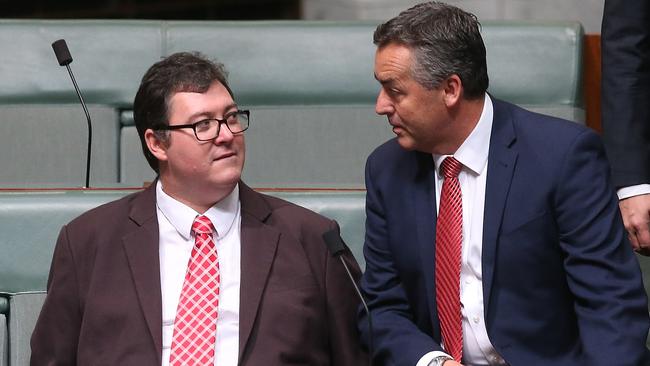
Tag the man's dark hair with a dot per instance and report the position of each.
(445, 40)
(179, 72)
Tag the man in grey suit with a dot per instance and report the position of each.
(626, 111)
(198, 268)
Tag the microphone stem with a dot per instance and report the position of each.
(365, 306)
(90, 128)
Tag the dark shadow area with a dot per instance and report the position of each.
(153, 9)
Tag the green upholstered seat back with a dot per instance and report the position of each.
(537, 65)
(31, 220)
(42, 127)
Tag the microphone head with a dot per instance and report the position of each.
(334, 242)
(62, 53)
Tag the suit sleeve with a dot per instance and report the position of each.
(397, 340)
(55, 337)
(342, 302)
(626, 89)
(602, 272)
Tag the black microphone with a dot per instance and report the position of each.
(63, 56)
(336, 246)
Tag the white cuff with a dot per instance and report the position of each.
(631, 191)
(428, 357)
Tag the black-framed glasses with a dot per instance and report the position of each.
(208, 129)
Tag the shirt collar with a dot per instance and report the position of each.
(181, 216)
(473, 152)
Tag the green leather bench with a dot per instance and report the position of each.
(309, 85)
(31, 220)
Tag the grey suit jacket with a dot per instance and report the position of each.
(626, 89)
(104, 305)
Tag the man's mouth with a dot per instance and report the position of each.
(225, 156)
(397, 129)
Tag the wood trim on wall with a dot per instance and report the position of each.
(591, 80)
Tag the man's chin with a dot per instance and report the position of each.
(227, 177)
(406, 143)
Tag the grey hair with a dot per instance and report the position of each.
(445, 40)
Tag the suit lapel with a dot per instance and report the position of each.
(259, 243)
(502, 159)
(141, 248)
(424, 198)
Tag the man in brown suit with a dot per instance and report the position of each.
(118, 270)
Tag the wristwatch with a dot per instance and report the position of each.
(438, 361)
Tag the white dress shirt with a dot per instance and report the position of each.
(176, 241)
(631, 191)
(473, 154)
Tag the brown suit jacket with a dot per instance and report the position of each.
(103, 305)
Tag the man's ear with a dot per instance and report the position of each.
(156, 146)
(453, 90)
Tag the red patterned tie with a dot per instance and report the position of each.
(196, 317)
(449, 236)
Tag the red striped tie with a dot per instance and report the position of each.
(449, 236)
(195, 326)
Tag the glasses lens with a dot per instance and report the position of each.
(207, 129)
(237, 122)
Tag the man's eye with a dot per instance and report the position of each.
(231, 117)
(203, 125)
(392, 92)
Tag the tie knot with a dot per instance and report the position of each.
(450, 167)
(202, 225)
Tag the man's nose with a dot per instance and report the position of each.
(383, 105)
(224, 136)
